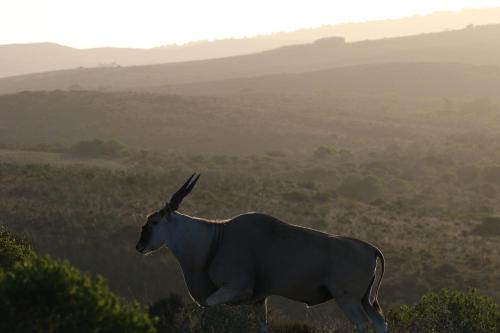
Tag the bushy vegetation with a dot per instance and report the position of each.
(365, 189)
(98, 148)
(40, 294)
(180, 315)
(489, 227)
(448, 311)
(445, 311)
(427, 220)
(12, 250)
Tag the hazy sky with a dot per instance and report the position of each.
(148, 23)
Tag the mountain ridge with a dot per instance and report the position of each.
(19, 59)
(473, 45)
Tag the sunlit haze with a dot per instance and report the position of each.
(150, 23)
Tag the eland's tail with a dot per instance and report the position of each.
(376, 305)
(374, 310)
(366, 297)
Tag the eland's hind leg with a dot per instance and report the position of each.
(375, 315)
(373, 310)
(353, 309)
(260, 310)
(351, 304)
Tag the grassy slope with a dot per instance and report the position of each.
(422, 217)
(416, 179)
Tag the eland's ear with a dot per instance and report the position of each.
(185, 189)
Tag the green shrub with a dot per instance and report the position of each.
(45, 295)
(295, 196)
(365, 189)
(184, 316)
(468, 174)
(98, 148)
(166, 310)
(491, 174)
(276, 153)
(489, 227)
(12, 249)
(324, 152)
(292, 328)
(448, 312)
(220, 319)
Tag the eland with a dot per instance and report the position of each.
(247, 258)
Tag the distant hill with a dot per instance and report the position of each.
(473, 45)
(411, 81)
(18, 59)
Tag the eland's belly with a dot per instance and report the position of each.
(309, 295)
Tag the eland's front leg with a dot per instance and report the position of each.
(260, 310)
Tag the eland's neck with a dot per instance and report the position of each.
(192, 240)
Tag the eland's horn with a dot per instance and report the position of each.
(185, 189)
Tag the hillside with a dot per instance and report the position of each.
(347, 107)
(477, 45)
(19, 59)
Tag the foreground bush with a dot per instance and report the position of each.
(183, 316)
(448, 312)
(177, 315)
(39, 294)
(292, 328)
(12, 249)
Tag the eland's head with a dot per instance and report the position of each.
(155, 231)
